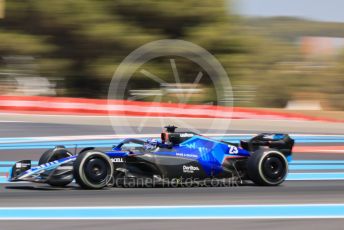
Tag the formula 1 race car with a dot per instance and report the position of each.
(178, 156)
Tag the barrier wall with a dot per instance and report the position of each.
(102, 107)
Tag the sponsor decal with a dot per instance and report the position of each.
(117, 160)
(47, 164)
(186, 135)
(22, 165)
(269, 136)
(186, 155)
(190, 145)
(233, 149)
(190, 169)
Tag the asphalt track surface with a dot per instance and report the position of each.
(331, 224)
(31, 195)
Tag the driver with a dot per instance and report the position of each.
(151, 144)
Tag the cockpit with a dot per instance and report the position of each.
(169, 138)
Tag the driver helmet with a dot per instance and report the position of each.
(151, 143)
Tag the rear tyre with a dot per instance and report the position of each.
(57, 153)
(93, 170)
(267, 167)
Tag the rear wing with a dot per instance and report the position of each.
(280, 141)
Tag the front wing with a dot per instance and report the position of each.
(22, 170)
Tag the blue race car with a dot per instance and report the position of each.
(179, 157)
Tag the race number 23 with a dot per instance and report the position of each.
(233, 149)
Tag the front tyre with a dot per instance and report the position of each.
(93, 170)
(57, 153)
(267, 167)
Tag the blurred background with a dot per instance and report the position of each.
(278, 54)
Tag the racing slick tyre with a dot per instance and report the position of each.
(267, 167)
(93, 169)
(54, 154)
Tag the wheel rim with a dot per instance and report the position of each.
(274, 168)
(96, 170)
